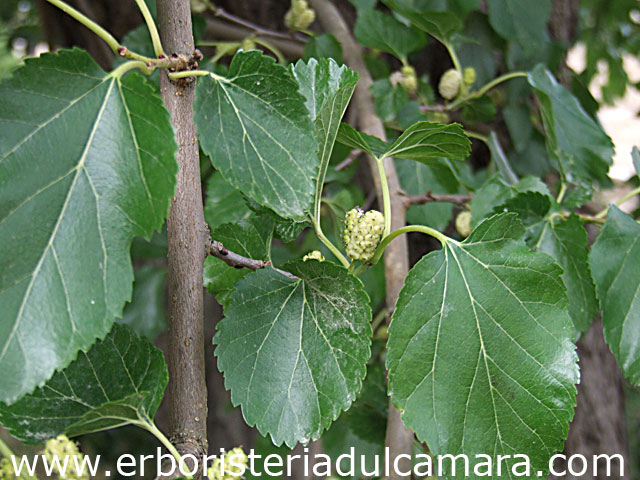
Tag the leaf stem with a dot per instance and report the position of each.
(190, 73)
(458, 66)
(151, 25)
(386, 197)
(321, 236)
(125, 67)
(409, 228)
(497, 81)
(5, 451)
(561, 193)
(87, 22)
(155, 431)
(628, 196)
(272, 48)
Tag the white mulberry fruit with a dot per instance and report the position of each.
(463, 223)
(61, 447)
(449, 85)
(314, 255)
(299, 16)
(362, 233)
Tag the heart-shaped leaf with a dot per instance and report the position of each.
(480, 355)
(86, 162)
(294, 351)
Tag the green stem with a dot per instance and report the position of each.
(87, 22)
(386, 197)
(125, 67)
(497, 81)
(561, 193)
(321, 236)
(409, 228)
(628, 196)
(155, 431)
(271, 47)
(458, 66)
(192, 73)
(151, 25)
(478, 136)
(5, 450)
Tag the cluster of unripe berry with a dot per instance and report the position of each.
(362, 233)
(299, 16)
(223, 468)
(61, 447)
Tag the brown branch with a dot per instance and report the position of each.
(218, 250)
(219, 29)
(399, 439)
(458, 199)
(187, 233)
(349, 160)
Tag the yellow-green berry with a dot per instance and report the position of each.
(469, 76)
(235, 464)
(440, 117)
(463, 223)
(61, 447)
(299, 16)
(449, 85)
(409, 79)
(248, 44)
(362, 233)
(314, 255)
(198, 6)
(6, 470)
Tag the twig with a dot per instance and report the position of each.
(218, 250)
(257, 29)
(220, 29)
(349, 160)
(458, 199)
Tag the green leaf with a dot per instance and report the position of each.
(146, 312)
(349, 136)
(635, 156)
(480, 356)
(567, 242)
(578, 143)
(389, 99)
(86, 162)
(224, 204)
(522, 21)
(294, 352)
(479, 110)
(499, 159)
(496, 191)
(378, 30)
(439, 24)
(427, 142)
(328, 88)
(120, 381)
(323, 46)
(286, 229)
(615, 262)
(250, 238)
(256, 129)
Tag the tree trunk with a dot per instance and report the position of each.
(187, 392)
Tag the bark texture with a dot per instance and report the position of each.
(187, 392)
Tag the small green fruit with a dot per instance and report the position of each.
(314, 255)
(469, 76)
(362, 233)
(449, 85)
(299, 16)
(463, 223)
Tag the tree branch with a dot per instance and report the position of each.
(187, 232)
(216, 249)
(399, 439)
(458, 199)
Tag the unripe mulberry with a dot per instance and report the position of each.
(314, 255)
(6, 470)
(222, 468)
(299, 16)
(362, 233)
(449, 85)
(61, 447)
(469, 76)
(409, 79)
(463, 223)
